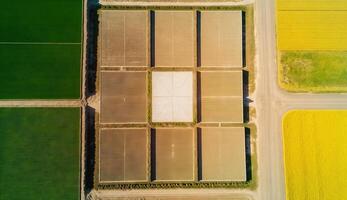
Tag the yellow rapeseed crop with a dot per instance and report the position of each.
(311, 5)
(312, 30)
(315, 154)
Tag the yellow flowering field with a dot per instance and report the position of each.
(315, 154)
(311, 5)
(312, 30)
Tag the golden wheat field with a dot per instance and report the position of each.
(315, 154)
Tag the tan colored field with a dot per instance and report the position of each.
(221, 38)
(224, 109)
(123, 97)
(312, 30)
(123, 155)
(223, 154)
(224, 83)
(174, 38)
(221, 96)
(174, 157)
(124, 38)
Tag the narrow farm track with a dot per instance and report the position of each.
(272, 103)
(187, 3)
(41, 103)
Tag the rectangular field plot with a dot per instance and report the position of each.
(221, 96)
(172, 96)
(40, 71)
(123, 97)
(312, 30)
(318, 5)
(174, 154)
(174, 38)
(221, 39)
(40, 153)
(314, 154)
(223, 154)
(124, 38)
(123, 155)
(327, 71)
(41, 21)
(40, 49)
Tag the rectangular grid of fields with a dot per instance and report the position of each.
(40, 49)
(170, 86)
(174, 38)
(174, 154)
(40, 153)
(221, 96)
(221, 38)
(123, 155)
(223, 154)
(124, 38)
(123, 97)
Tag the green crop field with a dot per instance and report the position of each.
(40, 49)
(39, 153)
(39, 71)
(312, 71)
(41, 21)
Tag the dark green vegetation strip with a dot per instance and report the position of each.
(39, 153)
(39, 71)
(313, 71)
(41, 21)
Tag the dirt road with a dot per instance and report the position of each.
(41, 103)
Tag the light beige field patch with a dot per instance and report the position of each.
(172, 96)
(221, 38)
(123, 97)
(123, 155)
(124, 38)
(221, 96)
(223, 154)
(174, 38)
(174, 154)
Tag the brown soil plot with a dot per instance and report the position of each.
(174, 154)
(124, 38)
(221, 96)
(123, 97)
(123, 155)
(174, 38)
(223, 153)
(221, 38)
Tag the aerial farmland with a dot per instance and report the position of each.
(41, 53)
(184, 99)
(159, 81)
(312, 43)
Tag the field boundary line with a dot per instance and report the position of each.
(41, 103)
(42, 43)
(159, 3)
(311, 10)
